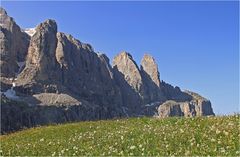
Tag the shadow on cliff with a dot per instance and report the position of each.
(152, 92)
(153, 95)
(174, 93)
(18, 115)
(132, 101)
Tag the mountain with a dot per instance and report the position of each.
(50, 77)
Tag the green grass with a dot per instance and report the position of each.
(214, 136)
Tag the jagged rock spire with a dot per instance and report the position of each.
(149, 65)
(127, 66)
(13, 44)
(41, 61)
(2, 11)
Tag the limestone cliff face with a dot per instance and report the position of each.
(125, 64)
(198, 106)
(129, 80)
(204, 105)
(150, 67)
(66, 80)
(13, 45)
(174, 93)
(86, 73)
(41, 64)
(151, 80)
(48, 108)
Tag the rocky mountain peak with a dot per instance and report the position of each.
(129, 69)
(125, 54)
(150, 67)
(2, 11)
(13, 44)
(7, 22)
(48, 25)
(41, 62)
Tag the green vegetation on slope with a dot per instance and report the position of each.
(215, 136)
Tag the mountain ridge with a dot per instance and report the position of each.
(58, 65)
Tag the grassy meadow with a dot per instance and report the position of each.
(203, 136)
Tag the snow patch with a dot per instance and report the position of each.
(11, 93)
(30, 31)
(99, 54)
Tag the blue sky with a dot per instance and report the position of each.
(196, 44)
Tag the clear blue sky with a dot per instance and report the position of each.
(196, 44)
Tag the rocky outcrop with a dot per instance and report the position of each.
(174, 93)
(13, 45)
(48, 108)
(204, 105)
(150, 67)
(59, 63)
(66, 80)
(125, 64)
(151, 80)
(41, 64)
(129, 80)
(86, 73)
(198, 106)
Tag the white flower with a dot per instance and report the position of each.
(53, 154)
(140, 146)
(187, 153)
(74, 147)
(42, 139)
(132, 147)
(222, 150)
(226, 133)
(218, 131)
(181, 130)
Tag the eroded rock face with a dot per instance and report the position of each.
(151, 80)
(149, 66)
(174, 93)
(49, 108)
(41, 64)
(204, 105)
(13, 45)
(87, 74)
(125, 64)
(198, 106)
(129, 80)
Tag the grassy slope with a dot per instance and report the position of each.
(134, 136)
